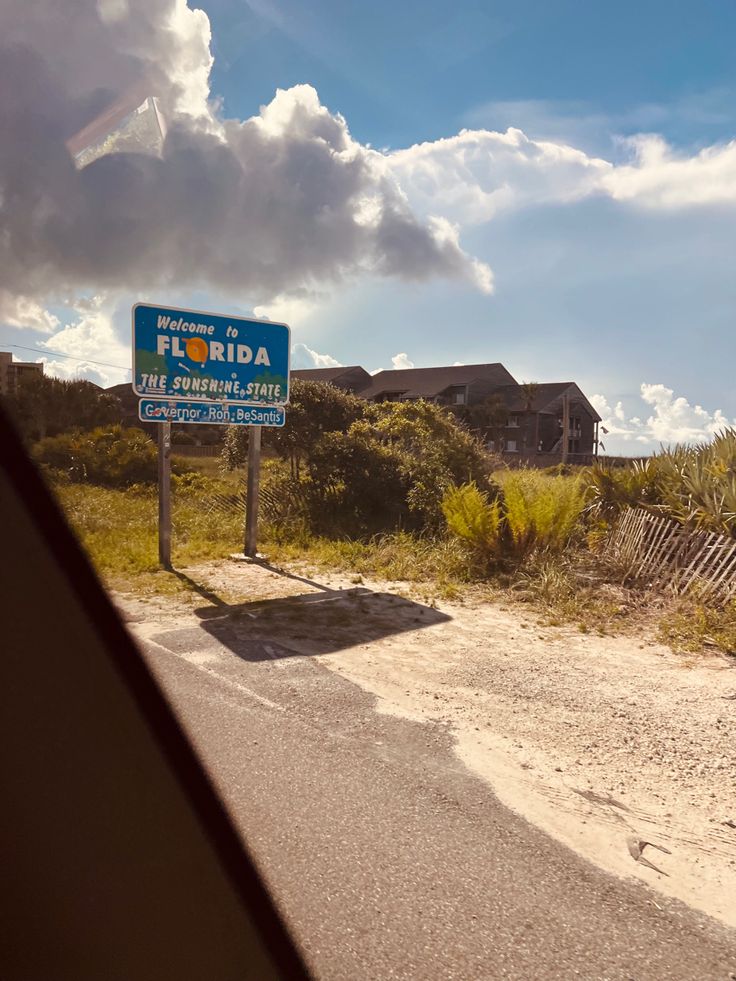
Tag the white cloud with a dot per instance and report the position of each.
(659, 178)
(189, 69)
(112, 10)
(401, 361)
(90, 338)
(581, 123)
(675, 420)
(77, 371)
(287, 309)
(285, 200)
(25, 313)
(670, 419)
(289, 204)
(304, 357)
(472, 177)
(478, 173)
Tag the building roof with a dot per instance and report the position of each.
(427, 383)
(547, 397)
(120, 390)
(324, 374)
(128, 398)
(430, 382)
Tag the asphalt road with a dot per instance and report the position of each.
(387, 857)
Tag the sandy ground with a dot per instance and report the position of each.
(604, 743)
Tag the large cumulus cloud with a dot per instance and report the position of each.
(279, 202)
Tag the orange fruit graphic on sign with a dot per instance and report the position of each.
(196, 349)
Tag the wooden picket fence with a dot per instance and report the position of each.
(184, 449)
(272, 505)
(666, 555)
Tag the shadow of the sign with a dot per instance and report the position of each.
(310, 623)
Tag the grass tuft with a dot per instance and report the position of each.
(693, 626)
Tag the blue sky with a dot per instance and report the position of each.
(414, 71)
(606, 222)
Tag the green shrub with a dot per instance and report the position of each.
(361, 469)
(112, 457)
(357, 484)
(549, 581)
(193, 481)
(390, 469)
(692, 625)
(44, 406)
(534, 513)
(315, 408)
(180, 437)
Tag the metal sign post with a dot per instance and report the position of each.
(251, 501)
(164, 494)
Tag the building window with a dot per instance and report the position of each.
(513, 422)
(511, 446)
(458, 398)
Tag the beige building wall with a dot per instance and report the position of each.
(13, 373)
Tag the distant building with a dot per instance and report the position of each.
(14, 373)
(527, 420)
(128, 402)
(457, 385)
(535, 418)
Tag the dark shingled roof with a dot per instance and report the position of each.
(546, 394)
(128, 398)
(323, 374)
(429, 382)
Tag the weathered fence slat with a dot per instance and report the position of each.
(701, 560)
(728, 573)
(670, 556)
(717, 572)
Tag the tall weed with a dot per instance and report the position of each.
(473, 518)
(542, 513)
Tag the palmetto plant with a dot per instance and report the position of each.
(698, 483)
(695, 485)
(610, 489)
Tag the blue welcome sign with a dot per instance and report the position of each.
(193, 355)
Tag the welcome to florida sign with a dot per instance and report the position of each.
(194, 355)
